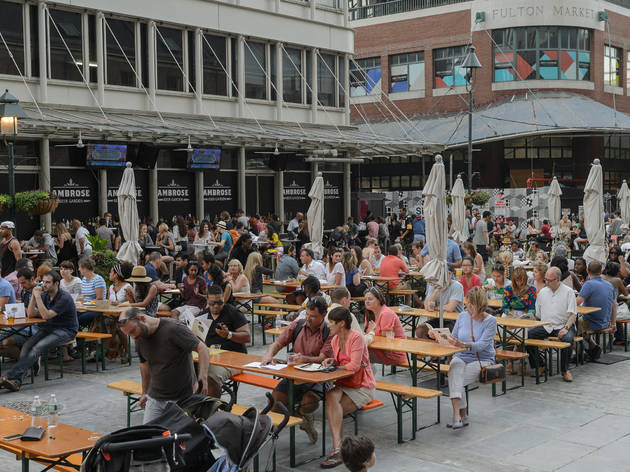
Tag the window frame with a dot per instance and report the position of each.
(394, 61)
(249, 51)
(608, 59)
(50, 30)
(362, 66)
(24, 41)
(184, 58)
(455, 60)
(137, 51)
(226, 65)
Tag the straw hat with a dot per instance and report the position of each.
(138, 274)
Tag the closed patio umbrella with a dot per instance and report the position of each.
(555, 207)
(315, 217)
(128, 211)
(458, 212)
(436, 272)
(624, 202)
(594, 215)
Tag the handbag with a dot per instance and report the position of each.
(354, 381)
(489, 374)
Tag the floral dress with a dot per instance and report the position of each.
(519, 306)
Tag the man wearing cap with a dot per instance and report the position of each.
(165, 349)
(10, 249)
(225, 244)
(43, 242)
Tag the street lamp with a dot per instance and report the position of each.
(10, 111)
(470, 62)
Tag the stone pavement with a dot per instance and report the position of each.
(583, 425)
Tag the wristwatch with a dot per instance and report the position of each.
(229, 336)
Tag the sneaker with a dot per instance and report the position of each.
(308, 426)
(9, 384)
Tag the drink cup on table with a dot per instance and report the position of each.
(292, 358)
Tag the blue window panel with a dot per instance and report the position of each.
(400, 86)
(549, 73)
(503, 75)
(416, 76)
(373, 78)
(460, 76)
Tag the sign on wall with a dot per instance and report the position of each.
(77, 192)
(219, 192)
(176, 194)
(295, 193)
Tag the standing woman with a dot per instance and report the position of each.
(469, 279)
(204, 235)
(303, 236)
(66, 251)
(254, 271)
(335, 273)
(479, 269)
(145, 293)
(165, 240)
(382, 321)
(349, 394)
(474, 331)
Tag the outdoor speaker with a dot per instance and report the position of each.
(146, 156)
(278, 163)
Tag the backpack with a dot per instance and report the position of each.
(300, 325)
(234, 235)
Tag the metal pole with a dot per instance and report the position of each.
(450, 171)
(12, 181)
(470, 152)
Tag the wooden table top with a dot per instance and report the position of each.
(294, 284)
(419, 347)
(506, 322)
(280, 306)
(582, 310)
(68, 439)
(20, 322)
(238, 360)
(378, 278)
(452, 316)
(109, 310)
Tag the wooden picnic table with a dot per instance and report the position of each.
(68, 440)
(280, 306)
(582, 310)
(295, 284)
(17, 326)
(237, 360)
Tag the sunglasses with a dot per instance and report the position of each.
(211, 303)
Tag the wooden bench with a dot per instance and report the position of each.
(546, 347)
(625, 333)
(406, 396)
(371, 405)
(85, 337)
(503, 356)
(602, 337)
(578, 345)
(276, 418)
(265, 314)
(58, 351)
(74, 459)
(132, 390)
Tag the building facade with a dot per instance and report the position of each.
(552, 93)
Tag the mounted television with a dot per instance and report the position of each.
(204, 159)
(106, 155)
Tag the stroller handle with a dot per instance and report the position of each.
(146, 443)
(285, 420)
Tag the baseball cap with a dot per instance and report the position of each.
(7, 224)
(221, 224)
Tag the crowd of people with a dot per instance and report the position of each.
(532, 277)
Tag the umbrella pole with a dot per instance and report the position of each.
(441, 310)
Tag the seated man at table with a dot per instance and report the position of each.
(11, 345)
(311, 343)
(311, 288)
(453, 254)
(229, 329)
(596, 292)
(153, 268)
(555, 304)
(393, 266)
(42, 241)
(311, 266)
(340, 296)
(58, 309)
(451, 299)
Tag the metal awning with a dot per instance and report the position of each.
(520, 116)
(59, 122)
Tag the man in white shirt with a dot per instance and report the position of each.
(310, 266)
(240, 217)
(556, 304)
(293, 225)
(84, 247)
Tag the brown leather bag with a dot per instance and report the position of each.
(489, 374)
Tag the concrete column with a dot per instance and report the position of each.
(346, 80)
(242, 200)
(313, 9)
(151, 73)
(100, 62)
(27, 42)
(42, 20)
(279, 194)
(199, 200)
(347, 192)
(199, 69)
(314, 55)
(314, 172)
(240, 74)
(44, 179)
(102, 192)
(279, 81)
(345, 14)
(277, 6)
(153, 194)
(86, 47)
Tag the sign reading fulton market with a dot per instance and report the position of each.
(495, 14)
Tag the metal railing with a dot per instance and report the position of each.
(399, 6)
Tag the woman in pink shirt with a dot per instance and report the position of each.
(382, 321)
(469, 279)
(351, 393)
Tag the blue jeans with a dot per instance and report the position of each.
(37, 345)
(86, 318)
(565, 354)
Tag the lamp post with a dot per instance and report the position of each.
(10, 111)
(470, 63)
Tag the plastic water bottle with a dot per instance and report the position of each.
(53, 415)
(37, 420)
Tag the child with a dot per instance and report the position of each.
(357, 453)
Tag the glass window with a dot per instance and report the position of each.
(234, 59)
(558, 53)
(309, 77)
(538, 148)
(255, 63)
(404, 181)
(446, 65)
(272, 71)
(214, 64)
(291, 79)
(365, 77)
(365, 182)
(612, 66)
(69, 26)
(92, 65)
(406, 72)
(120, 41)
(342, 81)
(395, 181)
(326, 82)
(170, 44)
(34, 41)
(12, 28)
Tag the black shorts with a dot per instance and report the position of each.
(300, 390)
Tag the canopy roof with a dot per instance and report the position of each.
(61, 122)
(522, 115)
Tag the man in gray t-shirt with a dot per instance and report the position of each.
(481, 238)
(165, 349)
(451, 299)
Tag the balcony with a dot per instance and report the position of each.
(623, 3)
(360, 9)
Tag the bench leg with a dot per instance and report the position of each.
(128, 410)
(102, 351)
(60, 356)
(82, 348)
(625, 337)
(45, 356)
(537, 364)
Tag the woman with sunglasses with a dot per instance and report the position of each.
(145, 293)
(616, 255)
(382, 321)
(193, 291)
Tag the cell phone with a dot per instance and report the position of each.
(12, 437)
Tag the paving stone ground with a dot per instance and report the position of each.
(557, 426)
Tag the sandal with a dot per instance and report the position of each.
(333, 460)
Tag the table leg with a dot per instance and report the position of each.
(292, 429)
(625, 337)
(437, 388)
(414, 403)
(24, 462)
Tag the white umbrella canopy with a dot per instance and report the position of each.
(555, 207)
(624, 202)
(315, 217)
(436, 271)
(128, 211)
(594, 215)
(458, 212)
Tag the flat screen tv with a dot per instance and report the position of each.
(106, 155)
(204, 159)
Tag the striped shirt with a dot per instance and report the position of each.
(88, 288)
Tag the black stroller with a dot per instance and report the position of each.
(183, 440)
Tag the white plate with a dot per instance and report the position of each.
(309, 367)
